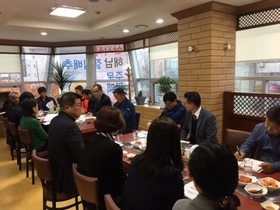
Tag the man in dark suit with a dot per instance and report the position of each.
(10, 104)
(200, 124)
(100, 99)
(65, 142)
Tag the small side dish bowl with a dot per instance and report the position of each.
(124, 153)
(130, 155)
(268, 205)
(244, 179)
(270, 183)
(255, 190)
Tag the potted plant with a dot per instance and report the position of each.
(140, 100)
(61, 78)
(164, 86)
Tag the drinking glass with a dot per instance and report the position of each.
(248, 167)
(119, 138)
(135, 134)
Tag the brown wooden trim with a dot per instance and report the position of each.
(258, 6)
(209, 6)
(152, 33)
(25, 43)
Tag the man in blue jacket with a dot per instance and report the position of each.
(127, 109)
(174, 109)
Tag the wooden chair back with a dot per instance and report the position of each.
(236, 138)
(6, 122)
(88, 187)
(109, 203)
(24, 136)
(13, 128)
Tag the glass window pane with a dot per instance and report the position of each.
(144, 85)
(159, 96)
(73, 85)
(248, 86)
(141, 63)
(274, 87)
(74, 64)
(35, 67)
(111, 66)
(32, 88)
(257, 68)
(167, 67)
(7, 78)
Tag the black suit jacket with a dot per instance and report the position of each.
(96, 104)
(206, 127)
(8, 107)
(65, 144)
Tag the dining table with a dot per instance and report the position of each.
(247, 202)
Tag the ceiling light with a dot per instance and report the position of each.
(66, 11)
(141, 26)
(125, 30)
(44, 33)
(159, 21)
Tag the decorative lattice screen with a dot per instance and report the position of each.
(254, 106)
(9, 49)
(36, 50)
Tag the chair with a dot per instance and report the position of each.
(25, 139)
(137, 119)
(235, 138)
(44, 172)
(109, 203)
(88, 187)
(16, 141)
(9, 136)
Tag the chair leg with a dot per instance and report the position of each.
(77, 204)
(18, 158)
(27, 167)
(32, 168)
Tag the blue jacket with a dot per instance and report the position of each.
(178, 114)
(127, 108)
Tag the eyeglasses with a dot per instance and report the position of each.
(95, 91)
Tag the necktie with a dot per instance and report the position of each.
(194, 117)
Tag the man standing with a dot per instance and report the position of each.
(100, 99)
(200, 124)
(10, 104)
(65, 142)
(127, 109)
(265, 136)
(44, 99)
(174, 109)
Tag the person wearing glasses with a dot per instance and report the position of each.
(265, 136)
(65, 142)
(200, 124)
(100, 100)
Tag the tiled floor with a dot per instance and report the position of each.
(16, 191)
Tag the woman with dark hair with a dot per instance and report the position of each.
(29, 122)
(102, 157)
(214, 171)
(155, 180)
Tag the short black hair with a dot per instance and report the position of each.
(169, 96)
(86, 92)
(193, 97)
(25, 95)
(119, 91)
(68, 99)
(27, 107)
(273, 114)
(79, 87)
(42, 89)
(99, 87)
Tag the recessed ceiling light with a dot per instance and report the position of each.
(66, 11)
(159, 21)
(44, 33)
(141, 26)
(125, 30)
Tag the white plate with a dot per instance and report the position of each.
(124, 153)
(130, 155)
(253, 180)
(270, 204)
(269, 187)
(252, 186)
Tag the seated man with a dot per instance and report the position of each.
(100, 99)
(266, 136)
(44, 99)
(200, 124)
(127, 109)
(10, 104)
(78, 90)
(174, 109)
(65, 142)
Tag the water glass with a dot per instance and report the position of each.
(119, 138)
(248, 167)
(135, 134)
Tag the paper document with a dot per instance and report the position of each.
(50, 104)
(48, 118)
(190, 190)
(1, 113)
(256, 168)
(142, 134)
